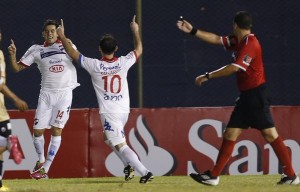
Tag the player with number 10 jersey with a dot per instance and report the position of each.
(109, 77)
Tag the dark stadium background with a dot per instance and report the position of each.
(171, 59)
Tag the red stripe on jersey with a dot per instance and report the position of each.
(57, 41)
(109, 60)
(25, 65)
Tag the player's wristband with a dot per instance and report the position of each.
(207, 75)
(193, 31)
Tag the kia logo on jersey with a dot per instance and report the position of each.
(56, 68)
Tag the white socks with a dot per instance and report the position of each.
(117, 153)
(39, 143)
(132, 159)
(52, 150)
(129, 157)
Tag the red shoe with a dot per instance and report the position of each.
(14, 150)
(39, 174)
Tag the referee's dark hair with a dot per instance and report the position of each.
(243, 20)
(50, 22)
(108, 44)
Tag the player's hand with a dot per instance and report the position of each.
(61, 29)
(12, 49)
(21, 105)
(133, 25)
(184, 26)
(200, 80)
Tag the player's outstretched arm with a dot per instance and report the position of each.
(67, 43)
(19, 103)
(138, 46)
(12, 50)
(208, 37)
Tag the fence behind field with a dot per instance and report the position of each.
(171, 59)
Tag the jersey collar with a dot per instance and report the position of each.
(109, 60)
(47, 45)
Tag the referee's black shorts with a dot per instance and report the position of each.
(252, 109)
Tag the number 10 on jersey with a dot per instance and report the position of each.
(112, 84)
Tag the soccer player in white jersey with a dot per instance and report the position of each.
(59, 78)
(109, 77)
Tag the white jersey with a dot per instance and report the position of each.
(56, 67)
(109, 79)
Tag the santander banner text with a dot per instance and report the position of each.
(169, 141)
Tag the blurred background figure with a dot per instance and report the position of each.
(7, 140)
(2, 73)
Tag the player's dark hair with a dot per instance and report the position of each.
(50, 22)
(108, 44)
(243, 20)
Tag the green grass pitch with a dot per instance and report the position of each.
(249, 183)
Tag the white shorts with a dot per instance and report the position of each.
(53, 109)
(113, 127)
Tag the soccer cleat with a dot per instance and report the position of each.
(14, 150)
(205, 178)
(285, 180)
(37, 166)
(4, 188)
(39, 174)
(147, 178)
(129, 173)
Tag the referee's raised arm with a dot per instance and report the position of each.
(208, 37)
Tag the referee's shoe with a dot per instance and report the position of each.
(285, 180)
(205, 178)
